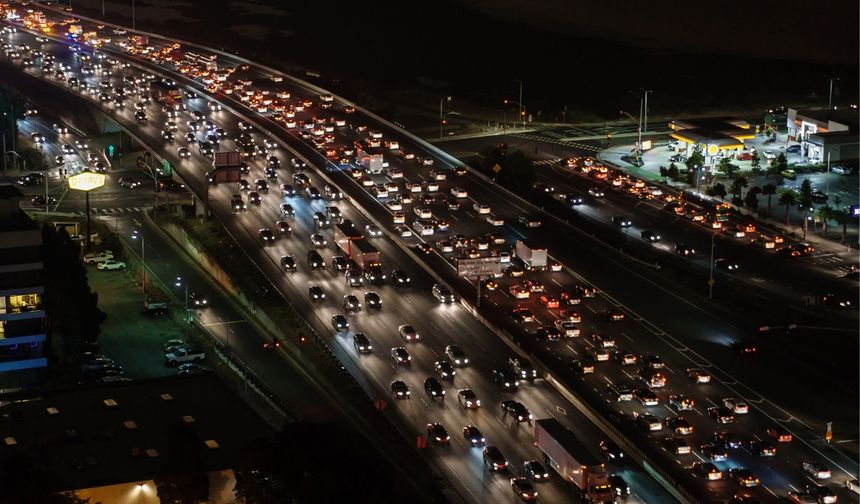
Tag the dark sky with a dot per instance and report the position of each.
(803, 31)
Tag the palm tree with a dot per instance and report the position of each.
(824, 213)
(787, 199)
(738, 186)
(841, 217)
(768, 190)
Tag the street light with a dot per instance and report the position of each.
(441, 115)
(639, 130)
(134, 236)
(87, 181)
(180, 283)
(520, 103)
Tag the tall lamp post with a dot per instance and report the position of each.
(520, 103)
(87, 181)
(134, 236)
(521, 109)
(441, 113)
(180, 283)
(639, 130)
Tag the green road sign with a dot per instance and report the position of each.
(165, 165)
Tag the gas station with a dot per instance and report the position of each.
(715, 138)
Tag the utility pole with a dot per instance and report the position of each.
(645, 123)
(441, 114)
(830, 95)
(522, 113)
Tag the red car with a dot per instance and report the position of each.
(549, 301)
(744, 156)
(780, 434)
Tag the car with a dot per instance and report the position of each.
(678, 445)
(621, 222)
(494, 460)
(650, 236)
(316, 293)
(505, 379)
(743, 347)
(737, 406)
(698, 375)
(821, 493)
(399, 389)
(197, 300)
(351, 303)
(684, 249)
(840, 170)
(721, 414)
(254, 198)
(681, 402)
(529, 221)
(474, 436)
(619, 486)
(361, 343)
(340, 323)
(802, 498)
(611, 450)
(548, 333)
(266, 236)
(400, 278)
(648, 422)
(437, 434)
(442, 294)
(708, 471)
(853, 485)
(761, 448)
(522, 315)
(744, 477)
(94, 363)
(434, 388)
(97, 257)
(523, 489)
(816, 469)
(468, 399)
(180, 355)
(599, 354)
(408, 333)
(652, 361)
(726, 265)
(679, 425)
(646, 397)
(523, 367)
(714, 452)
(620, 391)
(516, 410)
(31, 179)
(401, 356)
(190, 368)
(111, 264)
(535, 471)
(318, 240)
(726, 440)
(456, 355)
(444, 369)
(567, 328)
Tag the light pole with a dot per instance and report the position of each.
(830, 94)
(180, 283)
(134, 236)
(645, 110)
(441, 114)
(521, 109)
(639, 130)
(520, 103)
(86, 181)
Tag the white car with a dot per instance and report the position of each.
(495, 221)
(481, 209)
(414, 187)
(459, 192)
(596, 192)
(423, 212)
(568, 328)
(403, 231)
(98, 257)
(738, 407)
(111, 264)
(394, 205)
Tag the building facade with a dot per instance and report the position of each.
(23, 338)
(825, 135)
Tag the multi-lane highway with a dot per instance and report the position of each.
(694, 338)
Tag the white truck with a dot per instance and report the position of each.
(181, 355)
(372, 163)
(533, 257)
(98, 257)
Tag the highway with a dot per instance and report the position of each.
(673, 340)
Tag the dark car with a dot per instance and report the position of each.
(473, 436)
(536, 471)
(611, 450)
(400, 390)
(445, 370)
(434, 389)
(340, 323)
(351, 303)
(361, 343)
(494, 460)
(267, 236)
(619, 486)
(505, 379)
(372, 300)
(197, 300)
(457, 355)
(400, 278)
(437, 434)
(517, 411)
(316, 293)
(684, 249)
(288, 263)
(315, 260)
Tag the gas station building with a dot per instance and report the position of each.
(715, 137)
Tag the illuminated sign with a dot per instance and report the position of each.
(713, 149)
(86, 181)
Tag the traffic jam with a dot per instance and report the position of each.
(701, 425)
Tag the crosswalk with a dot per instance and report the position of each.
(540, 137)
(546, 162)
(110, 211)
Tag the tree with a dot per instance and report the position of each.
(673, 172)
(695, 161)
(183, 478)
(841, 218)
(517, 170)
(768, 190)
(756, 160)
(787, 199)
(717, 190)
(751, 198)
(738, 186)
(75, 317)
(664, 172)
(805, 194)
(825, 213)
(727, 167)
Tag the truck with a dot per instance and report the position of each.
(372, 163)
(165, 92)
(356, 247)
(572, 461)
(226, 167)
(534, 257)
(181, 355)
(151, 307)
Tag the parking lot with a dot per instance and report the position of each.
(130, 337)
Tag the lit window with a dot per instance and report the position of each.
(25, 302)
